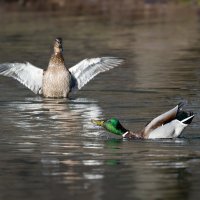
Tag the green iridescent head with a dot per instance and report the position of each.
(112, 125)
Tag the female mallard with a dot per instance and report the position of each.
(167, 125)
(57, 80)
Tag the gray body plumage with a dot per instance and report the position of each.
(165, 126)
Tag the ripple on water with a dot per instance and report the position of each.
(49, 149)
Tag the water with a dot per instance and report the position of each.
(49, 149)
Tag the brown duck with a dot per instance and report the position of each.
(57, 81)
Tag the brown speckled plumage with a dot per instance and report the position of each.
(57, 81)
(57, 78)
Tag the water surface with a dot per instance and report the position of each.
(50, 150)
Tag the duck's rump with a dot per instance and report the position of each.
(172, 129)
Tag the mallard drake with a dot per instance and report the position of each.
(167, 125)
(57, 81)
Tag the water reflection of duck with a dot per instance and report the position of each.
(167, 125)
(57, 80)
(63, 116)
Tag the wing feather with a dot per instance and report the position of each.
(161, 120)
(25, 73)
(87, 69)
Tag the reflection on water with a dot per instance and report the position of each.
(49, 149)
(63, 116)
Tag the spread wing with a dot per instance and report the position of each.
(87, 69)
(162, 119)
(25, 73)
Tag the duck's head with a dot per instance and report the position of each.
(112, 125)
(58, 45)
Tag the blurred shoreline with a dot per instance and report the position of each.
(105, 8)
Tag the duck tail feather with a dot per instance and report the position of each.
(180, 106)
(189, 119)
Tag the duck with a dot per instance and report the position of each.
(168, 125)
(57, 81)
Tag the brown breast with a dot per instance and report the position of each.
(57, 79)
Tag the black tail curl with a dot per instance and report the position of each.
(185, 117)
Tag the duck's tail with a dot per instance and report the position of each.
(189, 119)
(185, 117)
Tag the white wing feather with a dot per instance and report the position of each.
(87, 69)
(25, 73)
